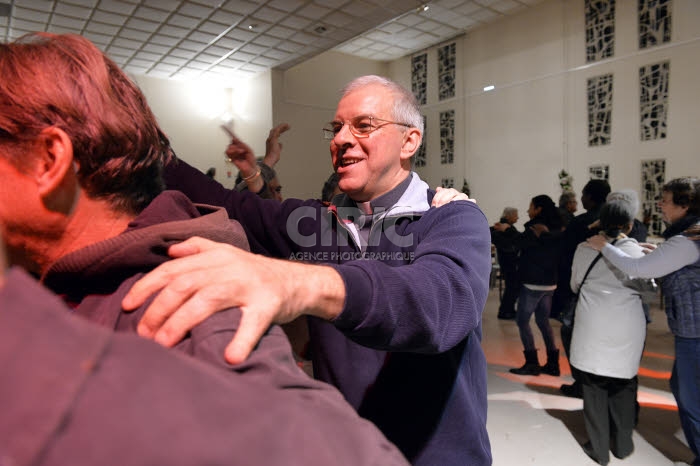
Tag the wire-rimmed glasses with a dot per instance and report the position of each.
(360, 127)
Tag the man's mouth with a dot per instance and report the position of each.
(347, 162)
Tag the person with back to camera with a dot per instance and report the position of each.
(677, 263)
(82, 207)
(608, 337)
(539, 248)
(396, 306)
(507, 252)
(593, 197)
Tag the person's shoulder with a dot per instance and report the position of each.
(466, 209)
(630, 246)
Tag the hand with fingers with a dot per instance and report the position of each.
(241, 155)
(444, 196)
(273, 148)
(596, 242)
(206, 277)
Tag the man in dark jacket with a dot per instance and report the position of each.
(82, 207)
(397, 304)
(593, 197)
(507, 253)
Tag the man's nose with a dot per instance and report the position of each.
(344, 136)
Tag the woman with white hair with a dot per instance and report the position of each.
(677, 262)
(608, 337)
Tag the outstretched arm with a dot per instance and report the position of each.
(453, 256)
(207, 277)
(673, 254)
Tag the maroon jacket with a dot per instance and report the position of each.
(74, 393)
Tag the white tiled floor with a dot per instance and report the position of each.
(531, 423)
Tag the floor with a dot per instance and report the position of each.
(530, 422)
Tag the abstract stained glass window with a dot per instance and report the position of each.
(447, 63)
(447, 137)
(600, 89)
(653, 100)
(599, 172)
(419, 77)
(653, 178)
(420, 156)
(600, 29)
(654, 22)
(448, 183)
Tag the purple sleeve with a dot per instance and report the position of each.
(264, 220)
(431, 304)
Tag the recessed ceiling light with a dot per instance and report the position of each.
(252, 26)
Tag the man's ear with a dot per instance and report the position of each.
(411, 143)
(55, 169)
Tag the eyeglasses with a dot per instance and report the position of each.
(360, 127)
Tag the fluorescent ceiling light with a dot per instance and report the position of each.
(489, 88)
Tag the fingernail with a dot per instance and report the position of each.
(162, 338)
(144, 331)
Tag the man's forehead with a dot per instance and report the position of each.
(371, 100)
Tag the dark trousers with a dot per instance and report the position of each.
(509, 272)
(685, 380)
(567, 332)
(609, 411)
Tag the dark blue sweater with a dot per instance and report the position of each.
(406, 349)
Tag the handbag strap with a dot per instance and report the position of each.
(600, 254)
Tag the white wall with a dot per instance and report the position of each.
(191, 113)
(512, 142)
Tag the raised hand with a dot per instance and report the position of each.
(273, 148)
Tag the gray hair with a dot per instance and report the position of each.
(507, 211)
(626, 195)
(405, 109)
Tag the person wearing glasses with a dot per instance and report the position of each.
(395, 301)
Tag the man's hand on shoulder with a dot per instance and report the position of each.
(444, 196)
(206, 277)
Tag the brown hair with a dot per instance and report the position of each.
(64, 81)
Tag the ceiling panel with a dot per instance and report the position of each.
(191, 38)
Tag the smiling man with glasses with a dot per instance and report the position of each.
(396, 306)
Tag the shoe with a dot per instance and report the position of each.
(552, 366)
(574, 390)
(506, 315)
(588, 449)
(620, 455)
(531, 366)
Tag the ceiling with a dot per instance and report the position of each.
(186, 39)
